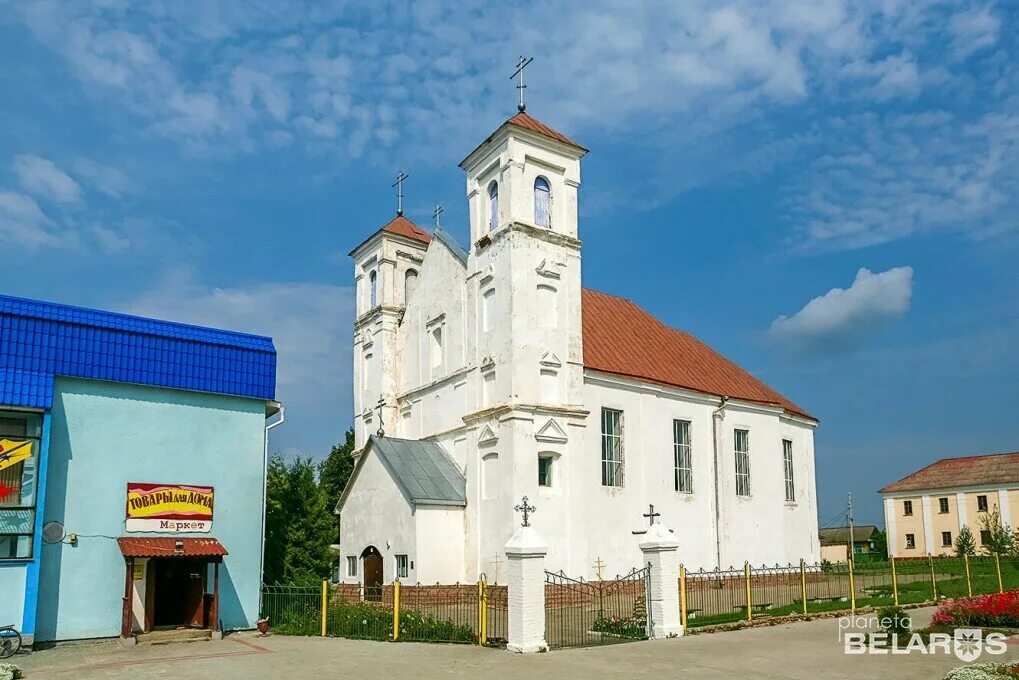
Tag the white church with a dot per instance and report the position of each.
(486, 374)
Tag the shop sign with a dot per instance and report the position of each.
(169, 508)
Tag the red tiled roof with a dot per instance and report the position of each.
(623, 339)
(165, 546)
(529, 123)
(989, 470)
(401, 226)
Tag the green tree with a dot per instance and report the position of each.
(299, 524)
(965, 544)
(334, 471)
(997, 538)
(879, 549)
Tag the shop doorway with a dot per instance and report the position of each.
(178, 598)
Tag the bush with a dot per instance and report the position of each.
(894, 621)
(626, 627)
(417, 626)
(9, 671)
(984, 671)
(998, 610)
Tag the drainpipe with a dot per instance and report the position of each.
(716, 416)
(265, 488)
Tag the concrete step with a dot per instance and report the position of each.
(169, 637)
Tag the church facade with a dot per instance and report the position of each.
(488, 374)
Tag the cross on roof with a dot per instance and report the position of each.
(651, 514)
(522, 63)
(378, 407)
(400, 176)
(435, 214)
(527, 510)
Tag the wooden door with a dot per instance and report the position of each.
(194, 594)
(372, 561)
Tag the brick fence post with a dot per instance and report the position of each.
(525, 556)
(661, 551)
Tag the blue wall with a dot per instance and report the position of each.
(12, 592)
(105, 435)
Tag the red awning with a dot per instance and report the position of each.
(167, 546)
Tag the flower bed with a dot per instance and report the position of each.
(984, 671)
(999, 610)
(620, 626)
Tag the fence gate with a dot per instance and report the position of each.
(581, 613)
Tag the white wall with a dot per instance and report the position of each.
(439, 528)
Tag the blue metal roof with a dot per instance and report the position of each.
(41, 340)
(447, 239)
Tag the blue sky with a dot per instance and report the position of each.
(824, 191)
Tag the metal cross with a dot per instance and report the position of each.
(379, 407)
(527, 510)
(651, 514)
(400, 176)
(435, 214)
(495, 565)
(598, 564)
(522, 62)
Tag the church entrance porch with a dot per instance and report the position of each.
(581, 613)
(166, 584)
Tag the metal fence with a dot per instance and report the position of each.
(581, 613)
(460, 613)
(730, 595)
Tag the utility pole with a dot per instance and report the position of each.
(852, 537)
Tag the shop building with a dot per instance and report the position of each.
(132, 472)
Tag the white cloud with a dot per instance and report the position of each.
(842, 318)
(105, 178)
(972, 30)
(40, 177)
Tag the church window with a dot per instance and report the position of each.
(487, 301)
(742, 452)
(907, 508)
(942, 506)
(981, 503)
(351, 565)
(545, 471)
(787, 465)
(17, 491)
(401, 566)
(373, 290)
(542, 203)
(946, 539)
(489, 475)
(436, 347)
(611, 447)
(410, 282)
(493, 205)
(682, 456)
(910, 542)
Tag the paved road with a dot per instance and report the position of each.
(798, 650)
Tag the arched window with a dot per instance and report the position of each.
(410, 282)
(542, 203)
(493, 205)
(373, 290)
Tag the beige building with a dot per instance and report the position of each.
(835, 542)
(925, 511)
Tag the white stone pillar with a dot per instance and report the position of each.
(661, 551)
(525, 582)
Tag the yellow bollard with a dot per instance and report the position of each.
(895, 583)
(803, 585)
(969, 582)
(396, 610)
(682, 596)
(482, 612)
(325, 605)
(997, 566)
(934, 581)
(750, 606)
(852, 588)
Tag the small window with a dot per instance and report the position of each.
(351, 565)
(682, 458)
(410, 282)
(910, 542)
(373, 290)
(985, 536)
(542, 203)
(493, 205)
(545, 471)
(741, 440)
(907, 508)
(943, 506)
(787, 464)
(611, 447)
(946, 539)
(401, 566)
(981, 503)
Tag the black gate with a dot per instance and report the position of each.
(581, 613)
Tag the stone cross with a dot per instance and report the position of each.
(598, 565)
(651, 514)
(400, 176)
(522, 62)
(435, 214)
(527, 510)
